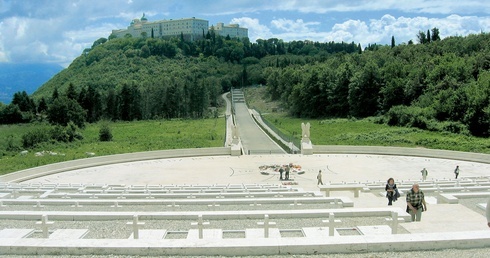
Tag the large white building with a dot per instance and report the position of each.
(190, 28)
(232, 30)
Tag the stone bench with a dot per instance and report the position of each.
(344, 201)
(174, 195)
(356, 188)
(192, 215)
(453, 198)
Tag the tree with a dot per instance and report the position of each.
(392, 41)
(63, 110)
(55, 94)
(129, 104)
(111, 108)
(435, 34)
(25, 103)
(364, 91)
(428, 36)
(71, 92)
(90, 101)
(422, 38)
(42, 106)
(11, 114)
(99, 42)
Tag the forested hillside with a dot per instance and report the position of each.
(440, 85)
(443, 85)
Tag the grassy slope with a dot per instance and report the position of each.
(363, 132)
(158, 135)
(127, 137)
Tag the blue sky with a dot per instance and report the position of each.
(57, 31)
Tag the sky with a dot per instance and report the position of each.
(57, 31)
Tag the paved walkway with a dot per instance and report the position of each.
(254, 140)
(336, 168)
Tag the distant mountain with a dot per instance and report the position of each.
(24, 77)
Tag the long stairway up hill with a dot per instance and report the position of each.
(254, 140)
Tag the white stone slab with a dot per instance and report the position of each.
(25, 197)
(259, 233)
(375, 230)
(4, 195)
(482, 206)
(150, 234)
(206, 234)
(318, 232)
(431, 200)
(68, 233)
(15, 233)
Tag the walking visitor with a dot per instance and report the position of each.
(391, 191)
(456, 172)
(416, 203)
(319, 178)
(424, 174)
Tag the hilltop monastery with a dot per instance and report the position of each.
(190, 28)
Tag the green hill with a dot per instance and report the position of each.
(437, 85)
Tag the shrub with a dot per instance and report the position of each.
(68, 133)
(11, 144)
(32, 138)
(105, 134)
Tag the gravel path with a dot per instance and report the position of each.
(449, 253)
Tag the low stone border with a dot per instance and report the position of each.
(259, 246)
(54, 168)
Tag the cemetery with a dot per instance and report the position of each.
(219, 202)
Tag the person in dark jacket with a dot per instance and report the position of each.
(391, 191)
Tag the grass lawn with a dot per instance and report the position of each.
(127, 137)
(360, 132)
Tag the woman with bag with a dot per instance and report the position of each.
(391, 191)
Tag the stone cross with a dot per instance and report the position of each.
(255, 204)
(213, 205)
(44, 225)
(77, 205)
(173, 205)
(38, 205)
(200, 225)
(136, 226)
(394, 222)
(295, 203)
(331, 223)
(266, 224)
(116, 205)
(219, 196)
(2, 205)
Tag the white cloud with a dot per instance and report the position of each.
(58, 31)
(377, 31)
(298, 26)
(255, 29)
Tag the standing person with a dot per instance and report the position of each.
(456, 172)
(488, 212)
(391, 191)
(319, 177)
(424, 174)
(416, 203)
(281, 170)
(287, 173)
